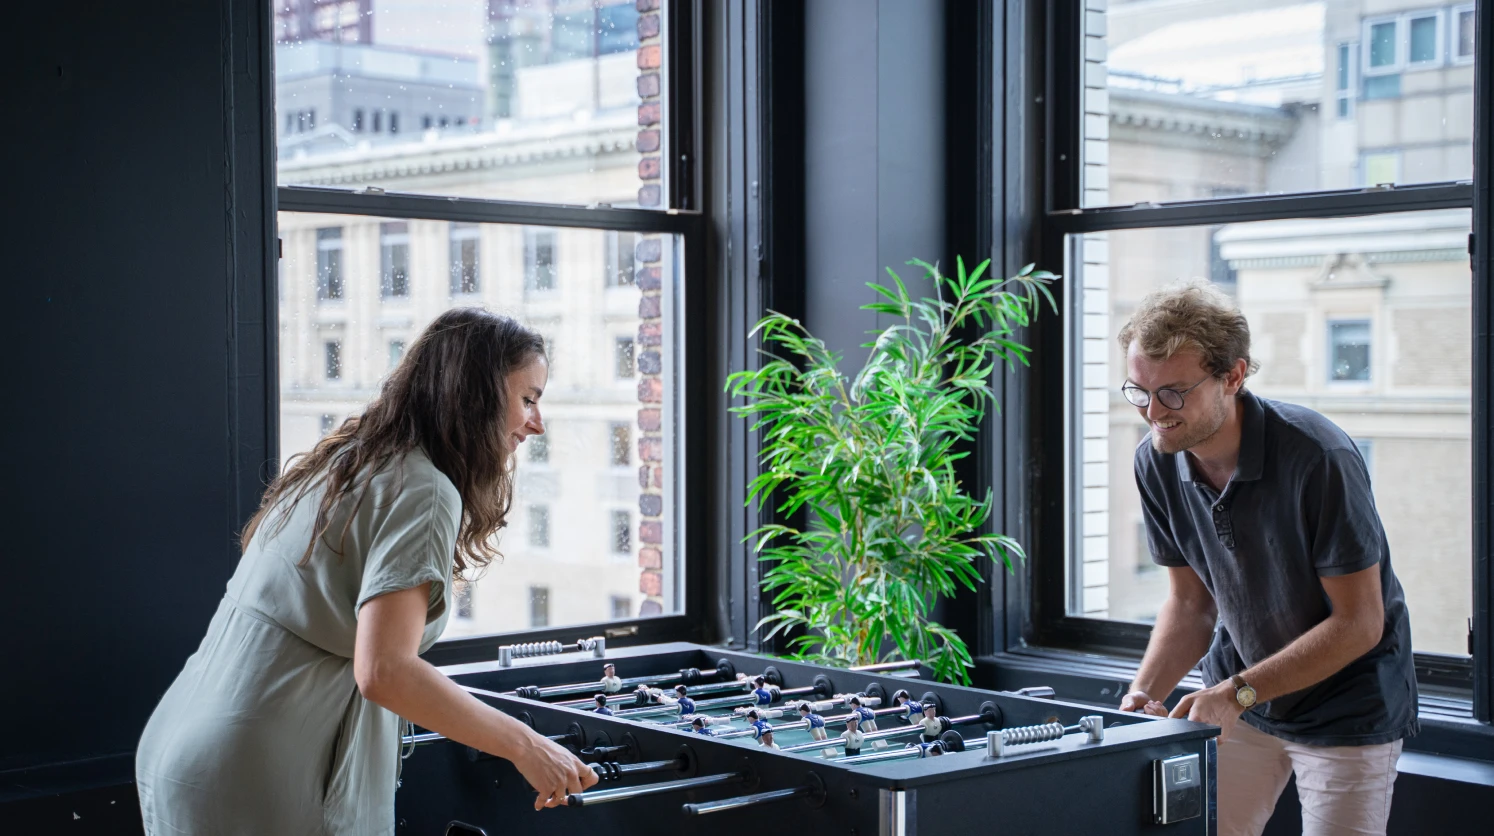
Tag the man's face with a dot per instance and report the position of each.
(1205, 408)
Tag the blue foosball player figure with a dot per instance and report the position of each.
(682, 699)
(602, 705)
(761, 731)
(698, 725)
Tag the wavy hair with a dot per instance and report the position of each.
(1190, 316)
(449, 397)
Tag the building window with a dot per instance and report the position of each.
(394, 259)
(329, 422)
(1463, 29)
(425, 122)
(622, 532)
(1380, 167)
(464, 242)
(539, 606)
(539, 448)
(393, 123)
(539, 526)
(620, 268)
(622, 354)
(622, 444)
(1424, 40)
(1343, 89)
(1349, 351)
(461, 593)
(378, 121)
(1366, 448)
(539, 260)
(332, 353)
(396, 352)
(1382, 46)
(622, 607)
(357, 120)
(329, 263)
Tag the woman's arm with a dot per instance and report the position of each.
(390, 672)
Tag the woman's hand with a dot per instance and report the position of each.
(552, 771)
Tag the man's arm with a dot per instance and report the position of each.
(1353, 629)
(1184, 628)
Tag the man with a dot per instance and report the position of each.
(1262, 513)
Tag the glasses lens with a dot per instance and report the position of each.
(1137, 396)
(1170, 398)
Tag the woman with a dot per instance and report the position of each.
(287, 718)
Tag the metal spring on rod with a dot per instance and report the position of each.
(1032, 734)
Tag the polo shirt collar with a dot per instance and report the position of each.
(1252, 443)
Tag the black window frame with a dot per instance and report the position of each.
(697, 385)
(1030, 627)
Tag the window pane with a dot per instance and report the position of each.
(1423, 39)
(611, 443)
(539, 606)
(623, 357)
(1191, 100)
(549, 101)
(1365, 320)
(1465, 33)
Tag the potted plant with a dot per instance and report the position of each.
(871, 461)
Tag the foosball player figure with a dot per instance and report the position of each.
(868, 720)
(853, 735)
(698, 725)
(602, 705)
(815, 723)
(932, 727)
(611, 682)
(761, 731)
(760, 690)
(682, 699)
(913, 707)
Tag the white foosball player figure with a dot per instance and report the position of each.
(932, 727)
(611, 682)
(601, 700)
(853, 736)
(761, 731)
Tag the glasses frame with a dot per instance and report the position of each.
(1128, 387)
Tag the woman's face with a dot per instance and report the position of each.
(525, 386)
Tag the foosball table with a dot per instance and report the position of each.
(692, 739)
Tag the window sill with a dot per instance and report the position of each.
(1448, 727)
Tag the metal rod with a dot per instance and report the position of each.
(887, 666)
(612, 770)
(582, 799)
(829, 721)
(743, 801)
(625, 696)
(628, 682)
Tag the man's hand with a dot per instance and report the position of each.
(1142, 702)
(1216, 706)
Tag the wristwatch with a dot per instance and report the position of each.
(1244, 694)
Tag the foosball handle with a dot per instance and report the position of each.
(813, 791)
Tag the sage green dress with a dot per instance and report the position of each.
(264, 731)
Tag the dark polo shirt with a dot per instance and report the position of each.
(1298, 508)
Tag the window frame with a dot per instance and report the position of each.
(696, 383)
(1031, 619)
(1454, 15)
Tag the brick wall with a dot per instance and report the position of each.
(651, 325)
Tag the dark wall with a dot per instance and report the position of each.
(133, 306)
(873, 156)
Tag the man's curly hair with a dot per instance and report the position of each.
(1190, 316)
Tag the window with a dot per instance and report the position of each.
(394, 259)
(620, 265)
(539, 260)
(464, 242)
(622, 532)
(622, 354)
(622, 607)
(539, 606)
(357, 124)
(1366, 448)
(329, 423)
(329, 263)
(396, 352)
(571, 98)
(1380, 168)
(621, 437)
(1425, 40)
(1344, 79)
(461, 594)
(539, 447)
(1349, 351)
(539, 526)
(1382, 47)
(1463, 23)
(332, 353)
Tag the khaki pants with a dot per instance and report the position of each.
(1344, 789)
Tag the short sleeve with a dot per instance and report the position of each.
(1343, 526)
(413, 542)
(1159, 540)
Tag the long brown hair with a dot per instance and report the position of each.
(449, 397)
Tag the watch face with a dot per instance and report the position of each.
(1245, 696)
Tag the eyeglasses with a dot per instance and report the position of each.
(1170, 398)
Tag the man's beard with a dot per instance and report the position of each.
(1194, 432)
